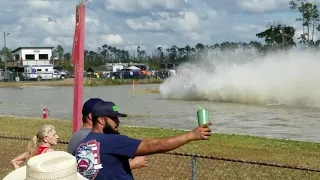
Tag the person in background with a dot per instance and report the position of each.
(86, 125)
(104, 153)
(42, 142)
(137, 162)
(148, 74)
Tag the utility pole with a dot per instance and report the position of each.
(5, 50)
(282, 41)
(4, 38)
(282, 35)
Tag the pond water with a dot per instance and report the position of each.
(149, 109)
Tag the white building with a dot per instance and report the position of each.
(28, 56)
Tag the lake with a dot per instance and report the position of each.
(149, 109)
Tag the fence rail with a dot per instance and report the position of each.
(11, 76)
(177, 165)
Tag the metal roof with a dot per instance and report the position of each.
(31, 48)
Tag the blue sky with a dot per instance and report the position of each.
(145, 23)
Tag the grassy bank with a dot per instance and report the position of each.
(231, 146)
(152, 91)
(87, 82)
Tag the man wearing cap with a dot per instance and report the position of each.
(104, 153)
(76, 138)
(86, 126)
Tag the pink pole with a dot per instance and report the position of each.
(78, 62)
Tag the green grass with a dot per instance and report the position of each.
(287, 152)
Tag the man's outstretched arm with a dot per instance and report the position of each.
(160, 145)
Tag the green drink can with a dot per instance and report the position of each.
(203, 116)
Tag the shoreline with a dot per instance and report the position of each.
(91, 82)
(159, 128)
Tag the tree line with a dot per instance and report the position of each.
(276, 37)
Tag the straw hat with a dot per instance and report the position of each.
(56, 165)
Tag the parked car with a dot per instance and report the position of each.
(127, 73)
(6, 76)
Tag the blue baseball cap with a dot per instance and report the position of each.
(87, 106)
(106, 109)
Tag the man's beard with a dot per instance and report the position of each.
(109, 130)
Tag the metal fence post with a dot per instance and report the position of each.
(193, 167)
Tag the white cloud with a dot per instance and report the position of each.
(247, 28)
(186, 21)
(194, 36)
(191, 21)
(134, 5)
(161, 14)
(144, 23)
(49, 41)
(59, 26)
(262, 5)
(18, 28)
(121, 5)
(39, 4)
(112, 39)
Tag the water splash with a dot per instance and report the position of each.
(287, 79)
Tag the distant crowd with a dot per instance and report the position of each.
(156, 74)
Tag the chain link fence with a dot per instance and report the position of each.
(154, 74)
(9, 76)
(181, 166)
